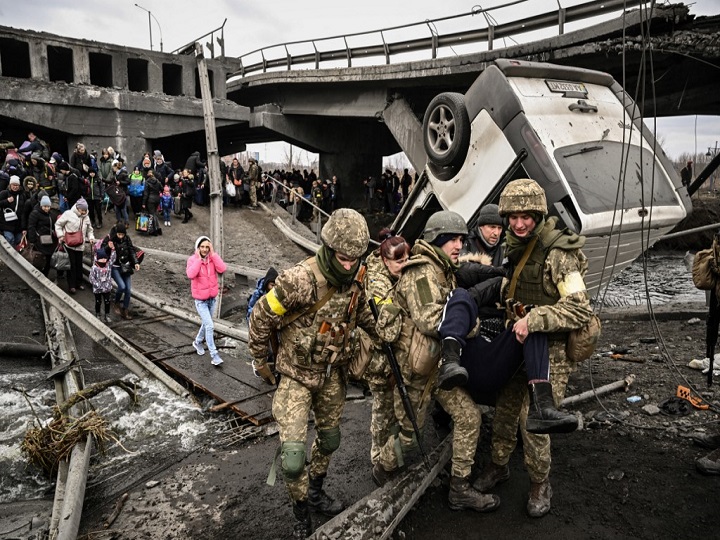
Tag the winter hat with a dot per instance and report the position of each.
(120, 228)
(166, 189)
(63, 166)
(489, 215)
(57, 157)
(270, 277)
(81, 204)
(157, 154)
(100, 254)
(15, 180)
(442, 239)
(45, 201)
(200, 240)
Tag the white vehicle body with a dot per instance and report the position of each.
(574, 131)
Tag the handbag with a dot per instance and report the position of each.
(10, 215)
(22, 244)
(34, 257)
(230, 190)
(142, 223)
(46, 239)
(176, 205)
(60, 260)
(74, 239)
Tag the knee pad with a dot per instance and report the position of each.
(292, 459)
(328, 440)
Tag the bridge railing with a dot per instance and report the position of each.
(382, 48)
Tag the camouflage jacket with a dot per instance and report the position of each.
(421, 294)
(379, 284)
(559, 270)
(304, 353)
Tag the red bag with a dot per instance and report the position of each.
(74, 239)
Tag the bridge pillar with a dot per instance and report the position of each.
(38, 60)
(351, 168)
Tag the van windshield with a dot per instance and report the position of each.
(592, 170)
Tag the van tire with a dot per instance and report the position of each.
(446, 130)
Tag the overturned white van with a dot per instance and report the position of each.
(576, 132)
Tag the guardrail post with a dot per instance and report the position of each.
(491, 36)
(349, 52)
(317, 56)
(386, 48)
(561, 21)
(288, 58)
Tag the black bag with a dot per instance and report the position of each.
(116, 195)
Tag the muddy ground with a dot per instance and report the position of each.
(627, 478)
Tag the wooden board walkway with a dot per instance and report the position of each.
(167, 341)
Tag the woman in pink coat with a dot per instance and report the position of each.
(203, 267)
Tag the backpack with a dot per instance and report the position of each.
(45, 152)
(705, 268)
(136, 187)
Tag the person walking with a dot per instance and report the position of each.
(73, 230)
(552, 279)
(125, 265)
(41, 229)
(202, 269)
(253, 176)
(314, 307)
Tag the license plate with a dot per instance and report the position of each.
(564, 86)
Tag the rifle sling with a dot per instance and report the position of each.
(520, 266)
(312, 309)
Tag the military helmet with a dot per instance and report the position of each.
(522, 195)
(444, 222)
(346, 232)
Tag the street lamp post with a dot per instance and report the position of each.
(150, 19)
(712, 152)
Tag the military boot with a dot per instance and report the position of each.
(303, 527)
(319, 501)
(491, 476)
(381, 476)
(709, 464)
(539, 499)
(543, 417)
(451, 374)
(463, 496)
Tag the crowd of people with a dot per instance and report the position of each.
(464, 331)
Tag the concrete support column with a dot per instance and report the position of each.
(38, 60)
(155, 76)
(188, 77)
(81, 65)
(351, 168)
(120, 71)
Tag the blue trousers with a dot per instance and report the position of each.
(205, 309)
(491, 363)
(124, 286)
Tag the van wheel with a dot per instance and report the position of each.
(446, 130)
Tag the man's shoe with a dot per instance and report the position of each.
(491, 476)
(198, 348)
(539, 499)
(303, 526)
(451, 373)
(319, 501)
(543, 417)
(709, 464)
(380, 476)
(710, 442)
(464, 497)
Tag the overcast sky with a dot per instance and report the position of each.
(254, 24)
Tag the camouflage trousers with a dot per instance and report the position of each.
(253, 192)
(466, 425)
(511, 412)
(382, 419)
(291, 408)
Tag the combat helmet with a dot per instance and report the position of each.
(346, 232)
(522, 195)
(444, 222)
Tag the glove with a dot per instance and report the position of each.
(263, 371)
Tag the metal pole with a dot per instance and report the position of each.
(150, 25)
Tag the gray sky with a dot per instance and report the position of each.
(254, 24)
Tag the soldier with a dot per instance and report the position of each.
(385, 266)
(253, 176)
(551, 279)
(418, 302)
(488, 237)
(315, 307)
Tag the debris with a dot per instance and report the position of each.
(675, 406)
(617, 385)
(116, 511)
(651, 410)
(694, 320)
(704, 364)
(633, 399)
(152, 483)
(616, 475)
(648, 340)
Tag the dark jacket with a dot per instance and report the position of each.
(81, 162)
(125, 257)
(73, 188)
(187, 194)
(17, 206)
(194, 162)
(151, 195)
(40, 223)
(162, 171)
(475, 243)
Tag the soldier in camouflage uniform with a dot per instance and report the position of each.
(314, 307)
(385, 265)
(411, 324)
(552, 280)
(253, 178)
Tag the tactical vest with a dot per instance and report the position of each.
(530, 289)
(325, 338)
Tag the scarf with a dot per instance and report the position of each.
(447, 261)
(331, 268)
(513, 242)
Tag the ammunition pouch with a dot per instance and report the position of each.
(389, 322)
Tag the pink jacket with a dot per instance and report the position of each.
(203, 275)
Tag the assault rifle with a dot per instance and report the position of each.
(407, 405)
